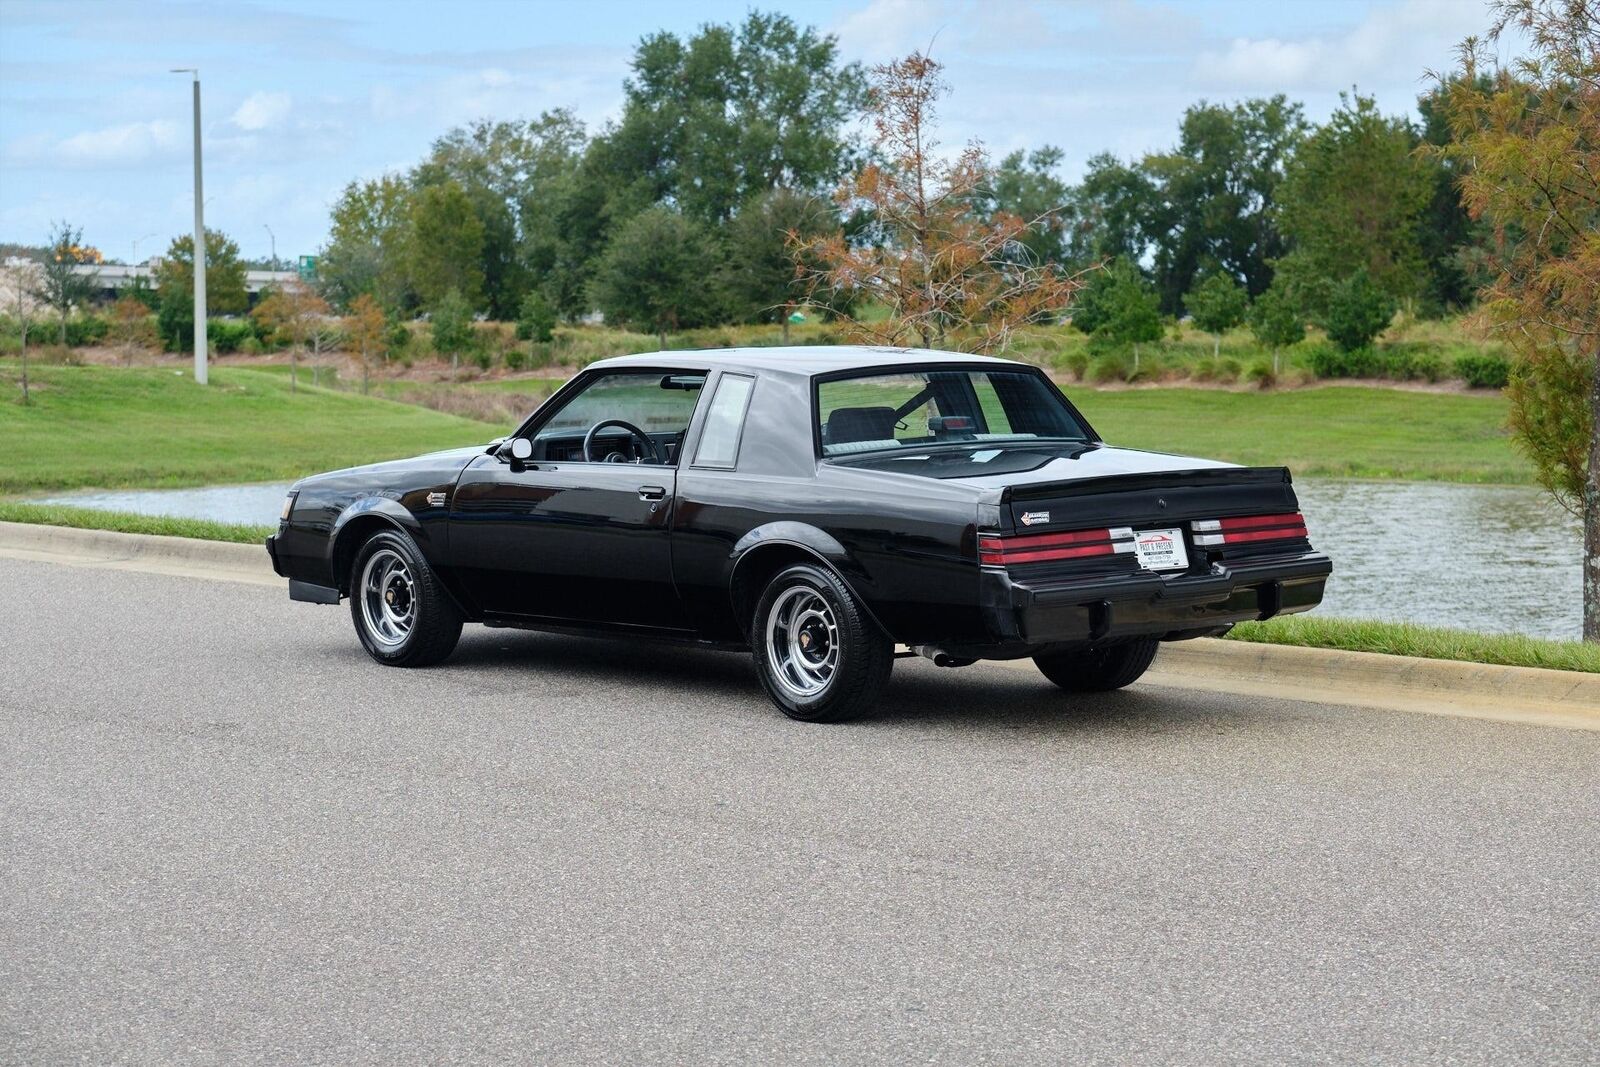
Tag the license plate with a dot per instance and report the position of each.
(1161, 550)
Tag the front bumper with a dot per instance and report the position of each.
(272, 553)
(1075, 611)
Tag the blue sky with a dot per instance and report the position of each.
(302, 97)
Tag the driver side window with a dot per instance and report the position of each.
(635, 416)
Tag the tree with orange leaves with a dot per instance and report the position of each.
(297, 314)
(1528, 134)
(948, 276)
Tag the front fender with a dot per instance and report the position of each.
(361, 515)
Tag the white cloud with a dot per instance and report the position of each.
(886, 29)
(262, 111)
(1408, 36)
(125, 145)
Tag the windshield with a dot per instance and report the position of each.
(915, 409)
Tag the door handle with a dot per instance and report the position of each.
(651, 492)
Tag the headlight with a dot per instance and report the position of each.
(288, 506)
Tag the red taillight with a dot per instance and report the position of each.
(1043, 548)
(1210, 532)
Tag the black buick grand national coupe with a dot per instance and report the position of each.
(817, 506)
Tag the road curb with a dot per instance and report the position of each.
(161, 554)
(1373, 679)
(1536, 695)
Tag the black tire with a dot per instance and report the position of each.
(1099, 670)
(434, 624)
(828, 618)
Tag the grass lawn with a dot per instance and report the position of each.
(1427, 642)
(112, 428)
(124, 522)
(1335, 432)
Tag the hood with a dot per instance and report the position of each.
(452, 459)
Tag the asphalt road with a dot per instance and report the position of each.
(227, 836)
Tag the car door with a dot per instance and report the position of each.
(573, 537)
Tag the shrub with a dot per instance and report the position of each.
(1229, 369)
(1358, 311)
(483, 357)
(1112, 367)
(452, 327)
(229, 335)
(1261, 374)
(1076, 363)
(1484, 372)
(516, 358)
(536, 319)
(83, 330)
(1330, 362)
(397, 338)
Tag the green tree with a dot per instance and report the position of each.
(1107, 213)
(450, 324)
(1276, 321)
(1530, 132)
(757, 278)
(1026, 185)
(1351, 201)
(225, 288)
(63, 279)
(654, 275)
(1132, 314)
(443, 246)
(1454, 245)
(1214, 195)
(1357, 312)
(1217, 305)
(365, 243)
(536, 319)
(711, 121)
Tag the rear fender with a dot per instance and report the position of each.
(753, 553)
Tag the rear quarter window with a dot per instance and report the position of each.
(719, 441)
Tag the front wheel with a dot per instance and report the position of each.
(402, 615)
(1099, 670)
(819, 655)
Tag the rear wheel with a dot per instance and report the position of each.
(402, 615)
(1099, 670)
(820, 657)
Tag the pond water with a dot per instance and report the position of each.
(1489, 558)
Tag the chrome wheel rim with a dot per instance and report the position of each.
(388, 598)
(802, 642)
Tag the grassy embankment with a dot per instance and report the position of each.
(107, 427)
(125, 522)
(1426, 642)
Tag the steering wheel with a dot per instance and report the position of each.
(634, 431)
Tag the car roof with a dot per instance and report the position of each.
(798, 360)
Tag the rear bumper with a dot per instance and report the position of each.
(1078, 611)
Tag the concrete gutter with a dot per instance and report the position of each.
(1532, 695)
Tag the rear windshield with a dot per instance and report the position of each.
(915, 409)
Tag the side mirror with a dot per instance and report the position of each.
(521, 449)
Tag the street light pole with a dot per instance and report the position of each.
(274, 238)
(199, 240)
(136, 243)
